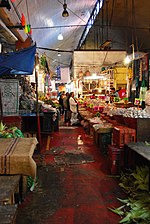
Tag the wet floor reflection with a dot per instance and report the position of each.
(79, 140)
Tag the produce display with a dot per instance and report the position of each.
(134, 113)
(102, 125)
(135, 208)
(95, 120)
(49, 101)
(94, 102)
(12, 132)
(116, 111)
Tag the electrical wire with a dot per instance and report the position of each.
(134, 21)
(107, 19)
(28, 12)
(112, 13)
(16, 11)
(50, 49)
(126, 30)
(69, 26)
(19, 3)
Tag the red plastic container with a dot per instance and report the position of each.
(116, 159)
(11, 121)
(123, 135)
(119, 119)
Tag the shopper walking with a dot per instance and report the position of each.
(73, 109)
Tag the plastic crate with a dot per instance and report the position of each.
(116, 159)
(141, 125)
(104, 139)
(123, 135)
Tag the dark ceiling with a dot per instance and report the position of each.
(125, 23)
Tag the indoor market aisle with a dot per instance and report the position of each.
(74, 184)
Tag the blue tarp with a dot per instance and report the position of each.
(18, 62)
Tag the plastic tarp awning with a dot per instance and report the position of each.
(18, 62)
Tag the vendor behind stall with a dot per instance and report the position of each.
(113, 94)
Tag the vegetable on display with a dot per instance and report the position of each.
(136, 208)
(12, 132)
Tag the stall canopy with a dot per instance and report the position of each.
(19, 62)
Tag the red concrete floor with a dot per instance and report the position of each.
(74, 194)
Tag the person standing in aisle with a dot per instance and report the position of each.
(61, 104)
(66, 108)
(73, 109)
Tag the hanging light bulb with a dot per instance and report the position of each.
(65, 12)
(60, 37)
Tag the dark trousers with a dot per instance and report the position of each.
(67, 115)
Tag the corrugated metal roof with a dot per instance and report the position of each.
(45, 18)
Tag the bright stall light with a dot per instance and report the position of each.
(95, 76)
(127, 60)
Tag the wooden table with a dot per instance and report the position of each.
(138, 150)
(16, 156)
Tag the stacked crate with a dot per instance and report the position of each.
(116, 161)
(104, 139)
(95, 137)
(121, 135)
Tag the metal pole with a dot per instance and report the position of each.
(1, 106)
(37, 107)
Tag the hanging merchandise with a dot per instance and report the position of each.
(133, 85)
(143, 90)
(47, 80)
(140, 71)
(44, 63)
(23, 20)
(27, 27)
(145, 63)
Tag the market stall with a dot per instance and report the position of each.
(20, 104)
(124, 123)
